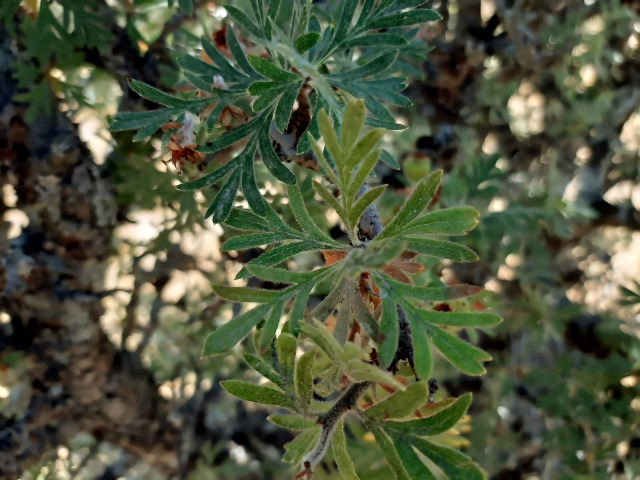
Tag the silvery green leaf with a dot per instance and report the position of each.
(257, 393)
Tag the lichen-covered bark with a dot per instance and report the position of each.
(51, 285)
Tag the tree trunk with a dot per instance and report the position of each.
(51, 280)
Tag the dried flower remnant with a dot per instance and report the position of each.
(182, 144)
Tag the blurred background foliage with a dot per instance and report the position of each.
(532, 108)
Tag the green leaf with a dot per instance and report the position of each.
(136, 120)
(322, 338)
(272, 162)
(352, 123)
(400, 404)
(414, 465)
(389, 452)
(279, 255)
(207, 180)
(287, 345)
(361, 174)
(285, 106)
(243, 242)
(453, 463)
(327, 197)
(249, 186)
(297, 448)
(246, 294)
(304, 379)
(422, 357)
(346, 15)
(460, 319)
(268, 330)
(302, 216)
(328, 170)
(441, 249)
(363, 202)
(374, 67)
(267, 69)
(186, 6)
(244, 21)
(465, 357)
(430, 294)
(233, 136)
(297, 309)
(411, 17)
(267, 371)
(306, 41)
(246, 220)
(279, 275)
(341, 454)
(232, 332)
(158, 96)
(451, 221)
(238, 54)
(415, 204)
(223, 203)
(359, 371)
(388, 331)
(260, 88)
(378, 39)
(293, 422)
(364, 146)
(329, 136)
(257, 393)
(387, 158)
(434, 424)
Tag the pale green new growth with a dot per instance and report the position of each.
(290, 103)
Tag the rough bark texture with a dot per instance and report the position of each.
(52, 283)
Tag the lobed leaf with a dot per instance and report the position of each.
(267, 69)
(388, 450)
(422, 357)
(304, 379)
(270, 327)
(302, 216)
(441, 249)
(450, 221)
(247, 294)
(221, 206)
(410, 460)
(293, 422)
(434, 424)
(257, 393)
(388, 331)
(306, 42)
(465, 357)
(400, 404)
(267, 371)
(232, 332)
(453, 464)
(299, 304)
(415, 204)
(404, 19)
(279, 275)
(280, 254)
(254, 240)
(363, 202)
(208, 179)
(341, 454)
(272, 162)
(374, 67)
(459, 319)
(352, 123)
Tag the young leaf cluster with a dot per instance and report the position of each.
(383, 310)
(307, 61)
